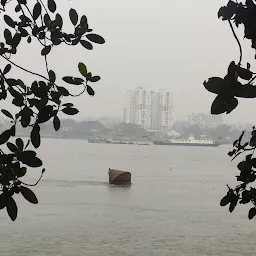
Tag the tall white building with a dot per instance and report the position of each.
(150, 109)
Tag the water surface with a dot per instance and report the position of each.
(172, 207)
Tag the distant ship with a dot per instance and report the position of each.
(191, 141)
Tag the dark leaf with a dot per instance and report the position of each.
(28, 195)
(25, 121)
(13, 50)
(232, 206)
(18, 8)
(18, 101)
(46, 50)
(7, 69)
(52, 5)
(20, 144)
(56, 123)
(70, 111)
(8, 36)
(22, 1)
(3, 2)
(243, 73)
(23, 32)
(16, 40)
(219, 105)
(252, 213)
(72, 80)
(82, 69)
(47, 20)
(246, 91)
(214, 85)
(37, 11)
(96, 38)
(73, 16)
(28, 142)
(25, 156)
(86, 44)
(12, 147)
(224, 14)
(76, 41)
(59, 20)
(52, 76)
(246, 198)
(41, 35)
(35, 136)
(94, 79)
(231, 153)
(231, 105)
(5, 136)
(9, 21)
(89, 90)
(29, 39)
(12, 208)
(2, 201)
(83, 28)
(45, 114)
(253, 162)
(89, 76)
(63, 91)
(69, 105)
(244, 166)
(248, 157)
(224, 201)
(7, 113)
(12, 82)
(34, 162)
(13, 130)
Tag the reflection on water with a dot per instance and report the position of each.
(161, 213)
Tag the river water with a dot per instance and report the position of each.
(172, 207)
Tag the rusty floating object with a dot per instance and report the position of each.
(118, 177)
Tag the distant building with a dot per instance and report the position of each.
(205, 121)
(109, 122)
(150, 109)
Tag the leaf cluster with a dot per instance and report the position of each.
(44, 99)
(238, 83)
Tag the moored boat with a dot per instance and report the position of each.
(119, 177)
(191, 141)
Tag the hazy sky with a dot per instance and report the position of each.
(173, 45)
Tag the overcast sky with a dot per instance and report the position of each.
(163, 44)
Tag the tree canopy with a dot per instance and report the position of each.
(239, 82)
(33, 22)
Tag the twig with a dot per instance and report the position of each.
(26, 70)
(252, 79)
(32, 185)
(79, 93)
(239, 44)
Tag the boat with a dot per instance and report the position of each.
(97, 140)
(191, 141)
(118, 177)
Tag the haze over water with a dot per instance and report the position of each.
(172, 207)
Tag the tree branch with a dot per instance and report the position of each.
(239, 44)
(26, 70)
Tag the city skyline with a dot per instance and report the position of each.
(137, 57)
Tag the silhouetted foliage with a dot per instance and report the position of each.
(42, 100)
(239, 82)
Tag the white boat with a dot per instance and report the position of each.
(191, 141)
